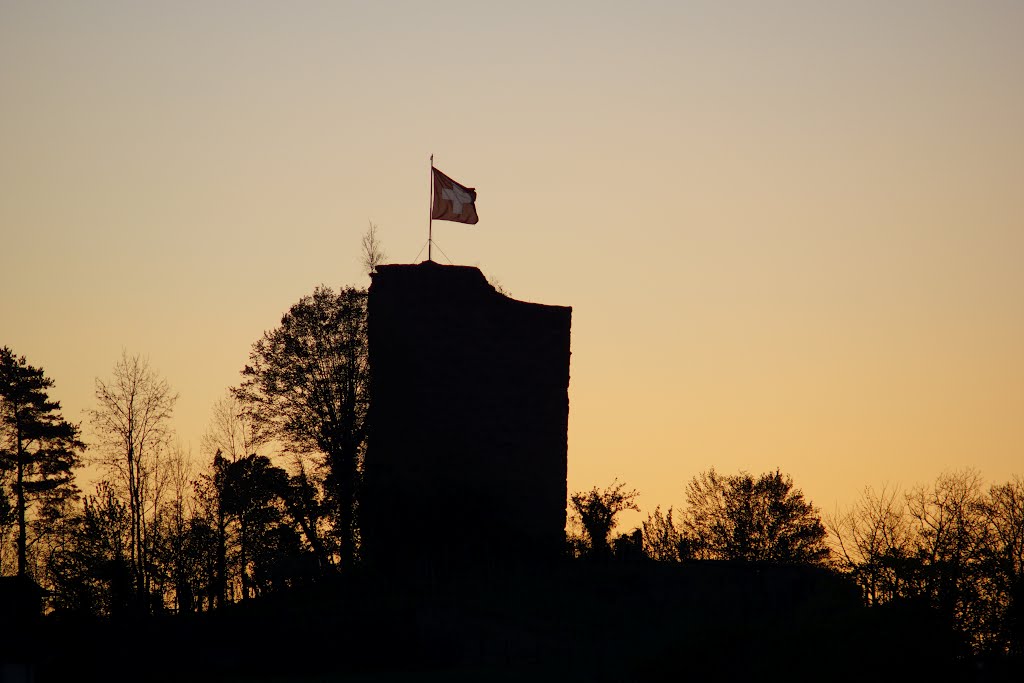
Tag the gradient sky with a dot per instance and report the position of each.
(792, 233)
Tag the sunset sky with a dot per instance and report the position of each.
(792, 233)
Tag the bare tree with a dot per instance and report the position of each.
(873, 542)
(947, 545)
(1005, 560)
(1006, 515)
(373, 254)
(661, 536)
(231, 431)
(950, 532)
(179, 466)
(132, 423)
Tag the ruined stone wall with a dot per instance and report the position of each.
(466, 457)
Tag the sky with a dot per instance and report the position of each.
(792, 233)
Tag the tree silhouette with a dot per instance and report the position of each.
(661, 536)
(373, 253)
(307, 508)
(949, 546)
(38, 446)
(231, 431)
(172, 552)
(741, 518)
(91, 571)
(307, 385)
(254, 492)
(951, 531)
(212, 516)
(597, 510)
(132, 422)
(874, 541)
(1004, 558)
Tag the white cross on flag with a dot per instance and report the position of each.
(452, 202)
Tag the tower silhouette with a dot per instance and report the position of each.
(466, 455)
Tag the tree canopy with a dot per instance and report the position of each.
(38, 450)
(951, 546)
(739, 517)
(307, 384)
(597, 511)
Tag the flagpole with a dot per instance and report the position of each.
(430, 212)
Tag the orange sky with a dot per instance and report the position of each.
(791, 233)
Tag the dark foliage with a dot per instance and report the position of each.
(89, 570)
(306, 386)
(597, 510)
(950, 547)
(755, 520)
(253, 497)
(661, 536)
(38, 451)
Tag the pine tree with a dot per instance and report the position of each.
(38, 448)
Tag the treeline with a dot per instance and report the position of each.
(275, 501)
(733, 517)
(156, 536)
(952, 549)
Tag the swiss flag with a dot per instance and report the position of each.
(452, 201)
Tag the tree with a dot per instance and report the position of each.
(254, 492)
(305, 502)
(741, 518)
(230, 436)
(210, 493)
(307, 386)
(597, 511)
(874, 543)
(661, 536)
(90, 572)
(1005, 560)
(253, 545)
(950, 531)
(173, 547)
(199, 566)
(38, 446)
(132, 423)
(373, 254)
(947, 546)
(230, 430)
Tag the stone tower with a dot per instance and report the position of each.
(466, 455)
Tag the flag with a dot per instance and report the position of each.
(452, 202)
